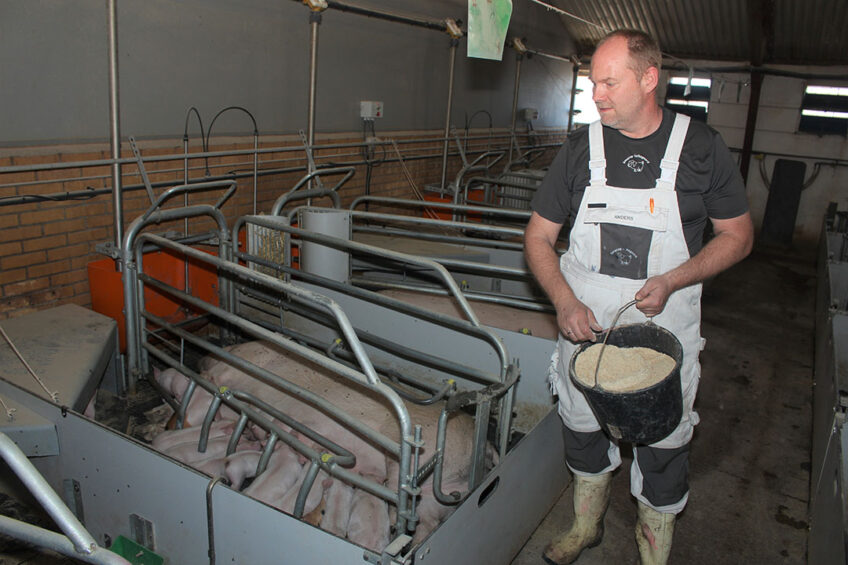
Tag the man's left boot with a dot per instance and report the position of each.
(654, 531)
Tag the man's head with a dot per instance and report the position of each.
(625, 73)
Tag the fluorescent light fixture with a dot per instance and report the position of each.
(827, 90)
(825, 114)
(680, 102)
(695, 81)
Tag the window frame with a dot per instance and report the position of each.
(697, 104)
(821, 101)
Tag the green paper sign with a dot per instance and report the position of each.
(488, 21)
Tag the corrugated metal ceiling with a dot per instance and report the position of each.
(796, 32)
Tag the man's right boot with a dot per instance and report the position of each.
(591, 498)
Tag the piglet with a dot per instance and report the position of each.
(369, 521)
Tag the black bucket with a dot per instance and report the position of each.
(641, 416)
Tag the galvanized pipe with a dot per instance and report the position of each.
(314, 22)
(57, 542)
(454, 239)
(518, 58)
(115, 125)
(492, 298)
(77, 536)
(133, 296)
(453, 47)
(389, 345)
(482, 228)
(575, 72)
(332, 465)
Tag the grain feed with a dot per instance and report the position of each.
(623, 369)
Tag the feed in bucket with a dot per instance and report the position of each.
(623, 369)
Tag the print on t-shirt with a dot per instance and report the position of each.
(636, 163)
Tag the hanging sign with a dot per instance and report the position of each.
(488, 21)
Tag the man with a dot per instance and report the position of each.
(638, 186)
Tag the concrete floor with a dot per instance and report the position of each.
(750, 458)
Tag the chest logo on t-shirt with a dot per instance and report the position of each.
(624, 255)
(636, 163)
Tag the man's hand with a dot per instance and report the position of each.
(652, 297)
(733, 240)
(577, 322)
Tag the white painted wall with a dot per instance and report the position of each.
(777, 137)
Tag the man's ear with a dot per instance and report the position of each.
(651, 79)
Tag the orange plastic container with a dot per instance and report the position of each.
(475, 195)
(107, 291)
(440, 213)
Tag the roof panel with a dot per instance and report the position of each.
(808, 32)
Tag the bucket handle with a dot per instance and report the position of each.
(606, 336)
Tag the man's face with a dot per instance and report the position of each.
(618, 92)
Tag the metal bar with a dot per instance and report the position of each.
(487, 210)
(518, 58)
(115, 124)
(482, 228)
(388, 16)
(236, 152)
(575, 72)
(132, 295)
(314, 22)
(457, 239)
(82, 542)
(493, 298)
(401, 351)
(308, 481)
(57, 542)
(453, 47)
(331, 466)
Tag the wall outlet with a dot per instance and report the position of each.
(370, 109)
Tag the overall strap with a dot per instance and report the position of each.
(597, 158)
(671, 160)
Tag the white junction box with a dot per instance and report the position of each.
(530, 114)
(370, 109)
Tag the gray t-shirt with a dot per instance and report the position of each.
(709, 184)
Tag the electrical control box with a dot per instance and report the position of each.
(370, 109)
(530, 114)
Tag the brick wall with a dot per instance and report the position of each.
(45, 245)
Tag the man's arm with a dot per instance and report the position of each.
(733, 241)
(575, 320)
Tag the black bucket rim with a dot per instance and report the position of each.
(678, 361)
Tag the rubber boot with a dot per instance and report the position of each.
(591, 498)
(654, 531)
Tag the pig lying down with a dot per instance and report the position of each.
(332, 504)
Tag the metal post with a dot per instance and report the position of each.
(454, 44)
(314, 22)
(255, 168)
(518, 58)
(115, 127)
(575, 71)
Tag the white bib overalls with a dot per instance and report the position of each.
(592, 255)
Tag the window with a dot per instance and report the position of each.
(585, 111)
(696, 104)
(824, 110)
